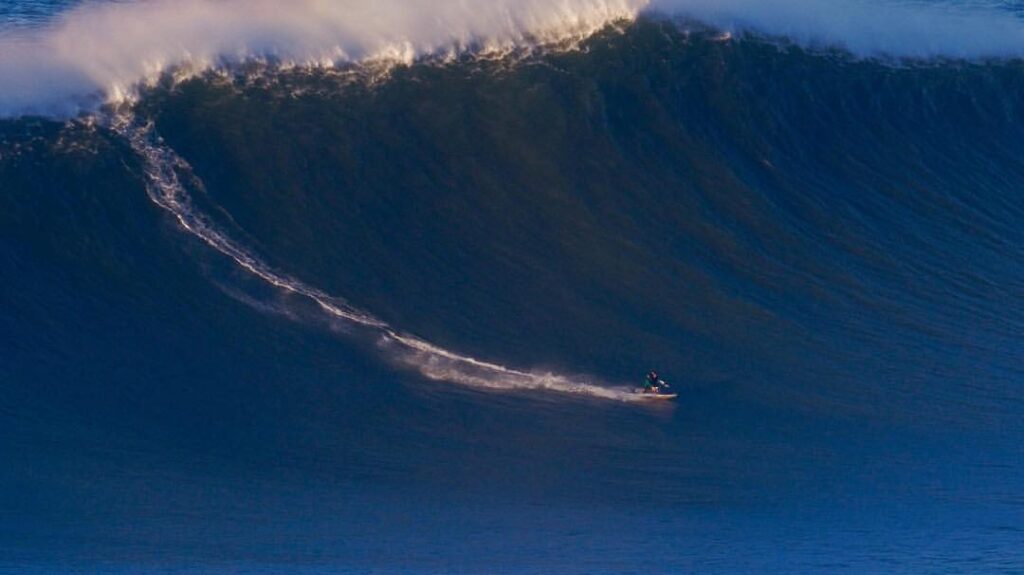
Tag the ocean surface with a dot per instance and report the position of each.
(330, 288)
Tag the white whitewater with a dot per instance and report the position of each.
(102, 52)
(164, 170)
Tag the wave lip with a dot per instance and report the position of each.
(102, 52)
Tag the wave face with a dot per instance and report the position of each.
(734, 196)
(277, 302)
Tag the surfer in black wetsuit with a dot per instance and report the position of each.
(652, 384)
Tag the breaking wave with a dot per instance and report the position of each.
(102, 52)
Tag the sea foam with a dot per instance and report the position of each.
(102, 52)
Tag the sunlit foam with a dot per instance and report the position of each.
(103, 52)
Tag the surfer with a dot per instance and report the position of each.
(653, 384)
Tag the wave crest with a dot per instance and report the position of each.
(102, 52)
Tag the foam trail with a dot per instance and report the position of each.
(165, 189)
(102, 53)
(163, 169)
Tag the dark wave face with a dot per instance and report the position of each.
(390, 317)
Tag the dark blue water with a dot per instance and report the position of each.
(820, 253)
(28, 13)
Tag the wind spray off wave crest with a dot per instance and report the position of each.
(164, 171)
(869, 28)
(104, 52)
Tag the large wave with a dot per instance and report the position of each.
(101, 52)
(814, 215)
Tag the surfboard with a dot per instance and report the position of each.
(641, 393)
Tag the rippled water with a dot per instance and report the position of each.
(32, 13)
